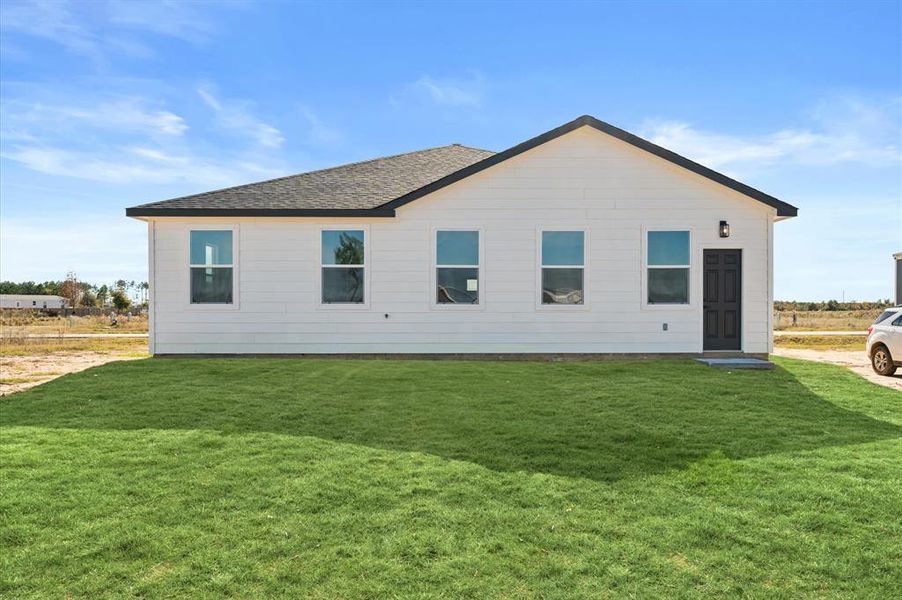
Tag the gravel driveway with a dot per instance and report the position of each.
(856, 360)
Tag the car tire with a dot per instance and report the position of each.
(882, 361)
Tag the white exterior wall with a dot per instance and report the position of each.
(31, 301)
(584, 179)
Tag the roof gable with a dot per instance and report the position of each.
(783, 209)
(376, 188)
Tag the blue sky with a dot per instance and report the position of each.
(110, 104)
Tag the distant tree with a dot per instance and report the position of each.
(349, 251)
(30, 287)
(70, 290)
(88, 298)
(103, 295)
(11, 287)
(51, 288)
(121, 300)
(120, 285)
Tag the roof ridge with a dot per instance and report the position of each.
(325, 170)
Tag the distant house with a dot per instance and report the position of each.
(584, 239)
(31, 301)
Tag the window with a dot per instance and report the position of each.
(898, 322)
(211, 266)
(563, 266)
(668, 267)
(343, 266)
(457, 267)
(884, 315)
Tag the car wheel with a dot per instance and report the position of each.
(882, 362)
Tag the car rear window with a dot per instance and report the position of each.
(884, 315)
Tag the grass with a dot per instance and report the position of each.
(44, 346)
(22, 322)
(29, 378)
(821, 342)
(825, 320)
(364, 479)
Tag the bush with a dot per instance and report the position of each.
(120, 300)
(88, 298)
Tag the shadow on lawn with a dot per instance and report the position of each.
(604, 421)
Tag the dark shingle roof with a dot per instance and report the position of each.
(356, 186)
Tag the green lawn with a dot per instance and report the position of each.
(328, 478)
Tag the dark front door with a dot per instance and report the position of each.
(723, 299)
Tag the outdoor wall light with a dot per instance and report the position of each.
(724, 229)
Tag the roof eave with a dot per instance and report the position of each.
(146, 211)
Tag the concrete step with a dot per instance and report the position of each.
(737, 363)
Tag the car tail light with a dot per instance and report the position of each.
(870, 330)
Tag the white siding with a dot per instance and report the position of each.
(31, 301)
(584, 179)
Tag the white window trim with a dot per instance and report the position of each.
(365, 305)
(434, 304)
(585, 267)
(645, 305)
(236, 259)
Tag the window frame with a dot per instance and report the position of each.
(480, 268)
(585, 267)
(643, 288)
(236, 259)
(365, 305)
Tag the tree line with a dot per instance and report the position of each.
(829, 305)
(121, 294)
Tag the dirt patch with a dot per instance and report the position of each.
(19, 373)
(855, 360)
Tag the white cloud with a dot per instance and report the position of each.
(209, 99)
(53, 21)
(843, 130)
(136, 165)
(131, 140)
(124, 115)
(448, 91)
(181, 20)
(235, 116)
(97, 30)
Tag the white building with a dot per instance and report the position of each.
(32, 301)
(585, 239)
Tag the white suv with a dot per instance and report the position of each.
(884, 345)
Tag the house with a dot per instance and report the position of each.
(32, 301)
(585, 239)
